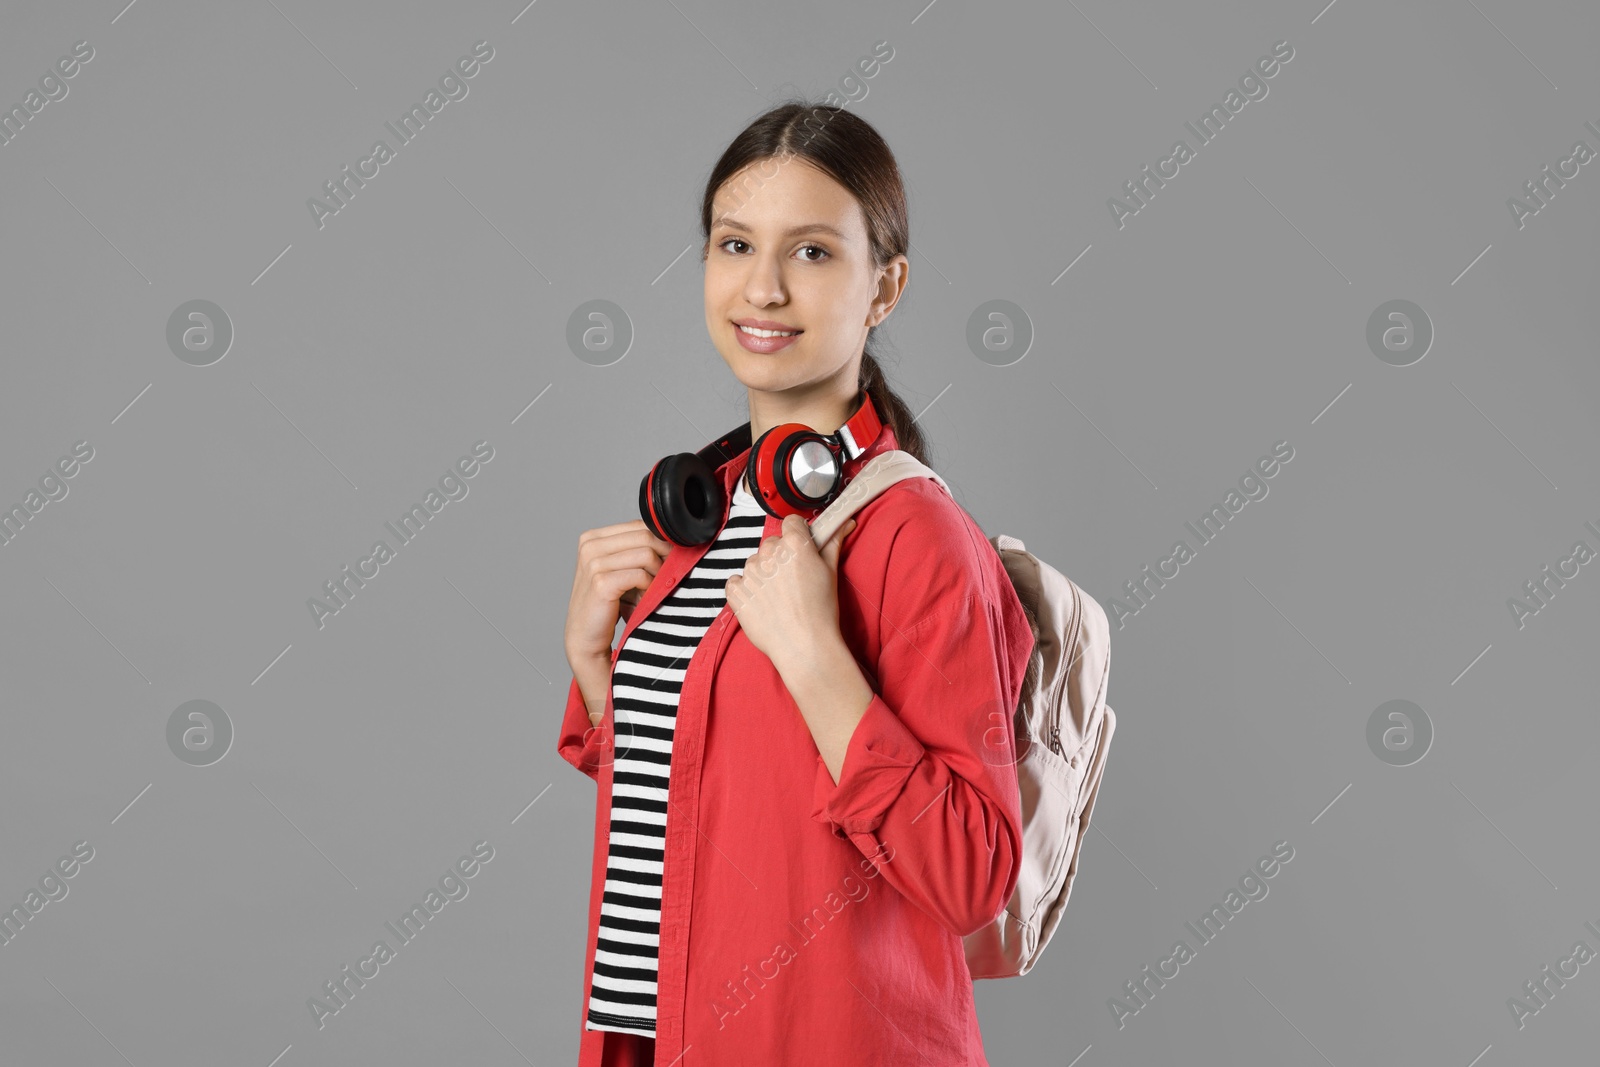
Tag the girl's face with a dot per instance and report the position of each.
(788, 251)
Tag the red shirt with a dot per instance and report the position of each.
(809, 922)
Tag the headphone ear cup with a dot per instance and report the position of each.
(752, 485)
(645, 511)
(682, 500)
(755, 468)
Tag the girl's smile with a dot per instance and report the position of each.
(763, 335)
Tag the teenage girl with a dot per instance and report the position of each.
(806, 787)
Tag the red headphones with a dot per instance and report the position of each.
(793, 470)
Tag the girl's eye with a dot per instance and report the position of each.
(745, 246)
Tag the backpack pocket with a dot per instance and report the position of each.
(1049, 785)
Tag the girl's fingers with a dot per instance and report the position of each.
(618, 527)
(634, 530)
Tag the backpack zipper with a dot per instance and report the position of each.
(1072, 641)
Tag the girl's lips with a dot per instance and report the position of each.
(762, 345)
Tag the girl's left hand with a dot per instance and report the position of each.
(787, 600)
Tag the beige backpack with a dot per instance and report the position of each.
(1062, 728)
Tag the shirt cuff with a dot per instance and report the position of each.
(879, 759)
(582, 744)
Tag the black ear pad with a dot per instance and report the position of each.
(748, 477)
(682, 500)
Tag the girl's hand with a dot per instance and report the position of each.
(787, 600)
(615, 565)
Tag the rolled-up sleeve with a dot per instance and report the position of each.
(929, 774)
(581, 744)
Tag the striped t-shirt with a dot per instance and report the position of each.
(645, 687)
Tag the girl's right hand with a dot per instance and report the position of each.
(616, 564)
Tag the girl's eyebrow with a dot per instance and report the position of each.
(793, 231)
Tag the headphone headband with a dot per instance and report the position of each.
(861, 429)
(726, 447)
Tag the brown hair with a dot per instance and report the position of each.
(845, 147)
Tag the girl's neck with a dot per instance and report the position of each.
(825, 415)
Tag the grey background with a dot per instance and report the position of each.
(431, 312)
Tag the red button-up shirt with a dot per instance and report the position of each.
(805, 921)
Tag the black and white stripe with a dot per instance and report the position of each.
(645, 687)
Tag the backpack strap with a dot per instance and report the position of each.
(1006, 541)
(882, 471)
